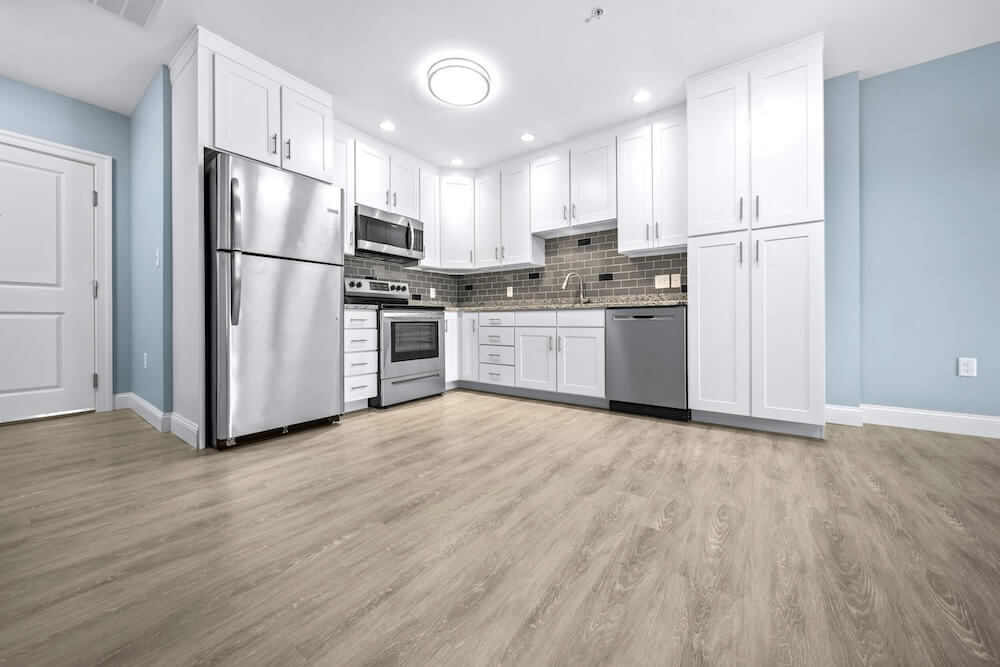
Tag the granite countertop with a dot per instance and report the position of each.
(673, 299)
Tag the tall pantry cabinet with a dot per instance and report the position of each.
(755, 225)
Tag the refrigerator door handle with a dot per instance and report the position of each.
(236, 287)
(236, 219)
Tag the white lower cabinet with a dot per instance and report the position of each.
(452, 337)
(469, 347)
(581, 361)
(535, 358)
(496, 374)
(360, 387)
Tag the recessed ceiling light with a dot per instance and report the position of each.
(641, 95)
(527, 136)
(387, 125)
(458, 81)
(456, 162)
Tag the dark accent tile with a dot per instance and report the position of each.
(468, 288)
(606, 276)
(533, 276)
(580, 242)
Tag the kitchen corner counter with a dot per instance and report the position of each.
(672, 299)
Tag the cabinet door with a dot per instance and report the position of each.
(718, 153)
(535, 358)
(670, 210)
(452, 354)
(371, 176)
(593, 180)
(719, 323)
(517, 245)
(635, 188)
(549, 192)
(405, 182)
(488, 220)
(786, 136)
(581, 360)
(470, 347)
(430, 208)
(788, 351)
(343, 177)
(457, 221)
(306, 136)
(247, 112)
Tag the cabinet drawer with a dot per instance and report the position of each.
(496, 374)
(360, 319)
(496, 319)
(581, 318)
(360, 340)
(535, 318)
(358, 387)
(496, 354)
(360, 363)
(496, 335)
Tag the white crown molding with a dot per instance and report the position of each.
(848, 415)
(983, 426)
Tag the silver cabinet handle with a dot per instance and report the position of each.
(288, 149)
(656, 227)
(470, 255)
(491, 337)
(493, 373)
(394, 200)
(350, 239)
(360, 386)
(236, 215)
(359, 340)
(503, 252)
(574, 210)
(559, 344)
(741, 253)
(360, 363)
(494, 354)
(550, 343)
(473, 325)
(446, 326)
(236, 287)
(757, 252)
(757, 205)
(741, 208)
(416, 379)
(565, 213)
(496, 252)
(357, 319)
(647, 231)
(274, 143)
(386, 197)
(494, 319)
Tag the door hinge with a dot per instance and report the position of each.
(95, 380)
(95, 197)
(95, 288)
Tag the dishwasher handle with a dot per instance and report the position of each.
(643, 317)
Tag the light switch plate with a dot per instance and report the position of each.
(675, 280)
(434, 293)
(510, 291)
(662, 282)
(967, 367)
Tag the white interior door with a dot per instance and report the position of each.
(593, 180)
(405, 181)
(247, 112)
(788, 324)
(46, 285)
(719, 323)
(549, 193)
(307, 136)
(535, 358)
(635, 181)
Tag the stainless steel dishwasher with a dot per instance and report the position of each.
(646, 360)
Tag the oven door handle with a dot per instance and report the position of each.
(439, 317)
(414, 379)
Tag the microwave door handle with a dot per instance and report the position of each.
(409, 235)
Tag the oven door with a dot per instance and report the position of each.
(387, 235)
(411, 342)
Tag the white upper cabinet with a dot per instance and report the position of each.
(247, 112)
(718, 152)
(517, 245)
(719, 323)
(593, 180)
(343, 177)
(487, 216)
(306, 136)
(371, 181)
(786, 135)
(549, 192)
(535, 358)
(670, 210)
(457, 221)
(635, 188)
(788, 344)
(755, 142)
(430, 209)
(404, 180)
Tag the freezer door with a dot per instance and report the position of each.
(263, 210)
(279, 357)
(646, 356)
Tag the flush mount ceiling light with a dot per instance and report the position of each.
(641, 95)
(459, 82)
(527, 136)
(456, 162)
(387, 125)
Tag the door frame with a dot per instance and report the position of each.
(103, 313)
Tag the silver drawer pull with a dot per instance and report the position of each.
(493, 354)
(493, 373)
(358, 319)
(494, 319)
(359, 340)
(360, 363)
(492, 336)
(360, 386)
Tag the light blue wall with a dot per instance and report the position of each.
(930, 233)
(150, 217)
(46, 115)
(843, 220)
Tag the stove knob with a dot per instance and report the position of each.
(403, 287)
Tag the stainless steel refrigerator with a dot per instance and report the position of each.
(276, 298)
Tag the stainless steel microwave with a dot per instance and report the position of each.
(387, 236)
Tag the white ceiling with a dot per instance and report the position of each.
(554, 75)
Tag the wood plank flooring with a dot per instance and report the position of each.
(476, 529)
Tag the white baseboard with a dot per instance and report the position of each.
(140, 406)
(185, 429)
(983, 426)
(848, 415)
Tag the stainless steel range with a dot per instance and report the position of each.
(411, 341)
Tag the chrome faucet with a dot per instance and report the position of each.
(566, 282)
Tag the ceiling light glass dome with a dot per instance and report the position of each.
(459, 82)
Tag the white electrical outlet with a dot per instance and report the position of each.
(145, 360)
(967, 367)
(662, 282)
(510, 291)
(675, 280)
(434, 293)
